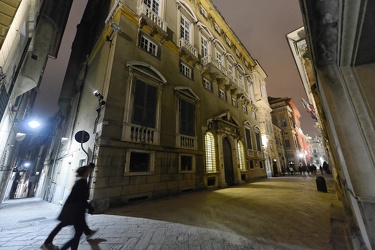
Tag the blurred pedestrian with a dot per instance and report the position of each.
(73, 211)
(291, 169)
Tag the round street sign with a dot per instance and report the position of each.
(82, 136)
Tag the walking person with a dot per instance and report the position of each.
(73, 211)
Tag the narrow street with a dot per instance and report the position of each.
(277, 213)
(282, 211)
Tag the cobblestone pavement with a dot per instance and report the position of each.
(276, 213)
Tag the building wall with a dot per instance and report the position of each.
(118, 64)
(345, 104)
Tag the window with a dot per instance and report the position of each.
(257, 138)
(230, 69)
(185, 28)
(237, 53)
(283, 121)
(241, 155)
(186, 163)
(247, 64)
(244, 108)
(250, 89)
(240, 78)
(217, 28)
(219, 57)
(210, 153)
(144, 104)
(203, 11)
(263, 92)
(222, 94)
(185, 70)
(261, 164)
(187, 118)
(248, 138)
(287, 143)
(153, 5)
(254, 115)
(251, 163)
(234, 102)
(140, 162)
(227, 41)
(207, 84)
(149, 46)
(204, 46)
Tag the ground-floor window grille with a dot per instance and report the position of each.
(186, 163)
(210, 153)
(139, 162)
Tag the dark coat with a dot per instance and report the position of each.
(75, 206)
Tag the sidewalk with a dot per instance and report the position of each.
(258, 215)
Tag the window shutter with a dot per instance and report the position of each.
(187, 118)
(144, 104)
(248, 139)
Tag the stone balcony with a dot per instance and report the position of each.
(188, 50)
(141, 134)
(150, 18)
(214, 67)
(189, 142)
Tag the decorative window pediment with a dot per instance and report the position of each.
(205, 31)
(187, 92)
(147, 70)
(187, 11)
(227, 117)
(220, 46)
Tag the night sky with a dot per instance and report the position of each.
(260, 25)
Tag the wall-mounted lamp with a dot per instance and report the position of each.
(100, 97)
(100, 100)
(115, 28)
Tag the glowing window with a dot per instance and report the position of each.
(210, 153)
(241, 156)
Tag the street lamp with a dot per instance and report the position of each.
(33, 124)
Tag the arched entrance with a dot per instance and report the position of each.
(228, 162)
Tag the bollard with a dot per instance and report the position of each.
(321, 184)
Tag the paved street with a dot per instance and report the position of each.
(276, 213)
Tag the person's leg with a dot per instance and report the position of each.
(74, 242)
(54, 232)
(86, 229)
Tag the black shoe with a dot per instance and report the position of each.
(91, 233)
(49, 247)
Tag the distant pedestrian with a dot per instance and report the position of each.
(321, 170)
(73, 211)
(291, 170)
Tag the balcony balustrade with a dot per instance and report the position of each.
(141, 134)
(214, 66)
(189, 47)
(153, 20)
(189, 142)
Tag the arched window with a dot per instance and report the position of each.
(210, 153)
(241, 155)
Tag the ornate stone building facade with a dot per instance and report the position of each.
(286, 116)
(178, 105)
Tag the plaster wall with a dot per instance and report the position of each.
(341, 99)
